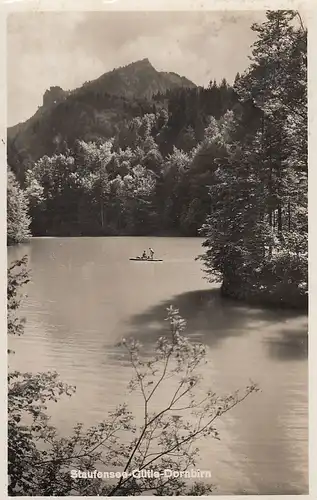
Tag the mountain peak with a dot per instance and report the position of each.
(139, 80)
(141, 63)
(111, 98)
(53, 95)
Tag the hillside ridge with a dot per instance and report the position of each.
(110, 83)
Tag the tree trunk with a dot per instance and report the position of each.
(279, 218)
(102, 213)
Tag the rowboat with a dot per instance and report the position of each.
(139, 259)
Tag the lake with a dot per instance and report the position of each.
(85, 295)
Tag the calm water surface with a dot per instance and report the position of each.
(85, 295)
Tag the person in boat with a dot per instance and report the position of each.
(151, 253)
(144, 256)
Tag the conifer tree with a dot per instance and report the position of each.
(18, 221)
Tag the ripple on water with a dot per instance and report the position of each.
(85, 296)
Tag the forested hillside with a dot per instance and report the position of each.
(94, 111)
(226, 162)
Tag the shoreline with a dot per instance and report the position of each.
(265, 301)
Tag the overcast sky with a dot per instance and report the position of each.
(67, 49)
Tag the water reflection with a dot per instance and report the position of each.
(289, 344)
(213, 318)
(86, 295)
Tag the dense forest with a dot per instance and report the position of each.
(227, 162)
